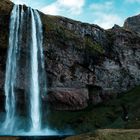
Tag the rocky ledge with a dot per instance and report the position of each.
(84, 63)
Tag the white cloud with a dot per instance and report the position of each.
(51, 9)
(74, 6)
(20, 1)
(64, 6)
(107, 20)
(133, 1)
(100, 6)
(104, 14)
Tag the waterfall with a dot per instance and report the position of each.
(11, 67)
(37, 76)
(36, 71)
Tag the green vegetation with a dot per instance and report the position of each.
(59, 34)
(109, 134)
(63, 37)
(93, 46)
(106, 115)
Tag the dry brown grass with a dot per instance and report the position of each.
(109, 134)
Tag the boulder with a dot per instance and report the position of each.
(67, 98)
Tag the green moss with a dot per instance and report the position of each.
(105, 115)
(62, 36)
(93, 46)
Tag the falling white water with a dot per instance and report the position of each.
(20, 20)
(34, 89)
(11, 68)
(37, 67)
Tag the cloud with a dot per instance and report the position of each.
(100, 6)
(107, 20)
(133, 1)
(51, 9)
(20, 1)
(73, 7)
(101, 13)
(104, 14)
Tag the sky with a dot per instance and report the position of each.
(104, 13)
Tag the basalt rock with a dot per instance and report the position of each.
(132, 24)
(80, 56)
(5, 10)
(67, 98)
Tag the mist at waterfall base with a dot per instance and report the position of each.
(33, 71)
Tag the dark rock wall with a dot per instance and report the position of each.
(5, 10)
(80, 57)
(132, 24)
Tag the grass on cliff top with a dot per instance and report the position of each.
(62, 36)
(106, 115)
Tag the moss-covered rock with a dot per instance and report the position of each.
(122, 112)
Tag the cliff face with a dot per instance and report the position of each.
(132, 24)
(5, 9)
(83, 62)
(79, 55)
